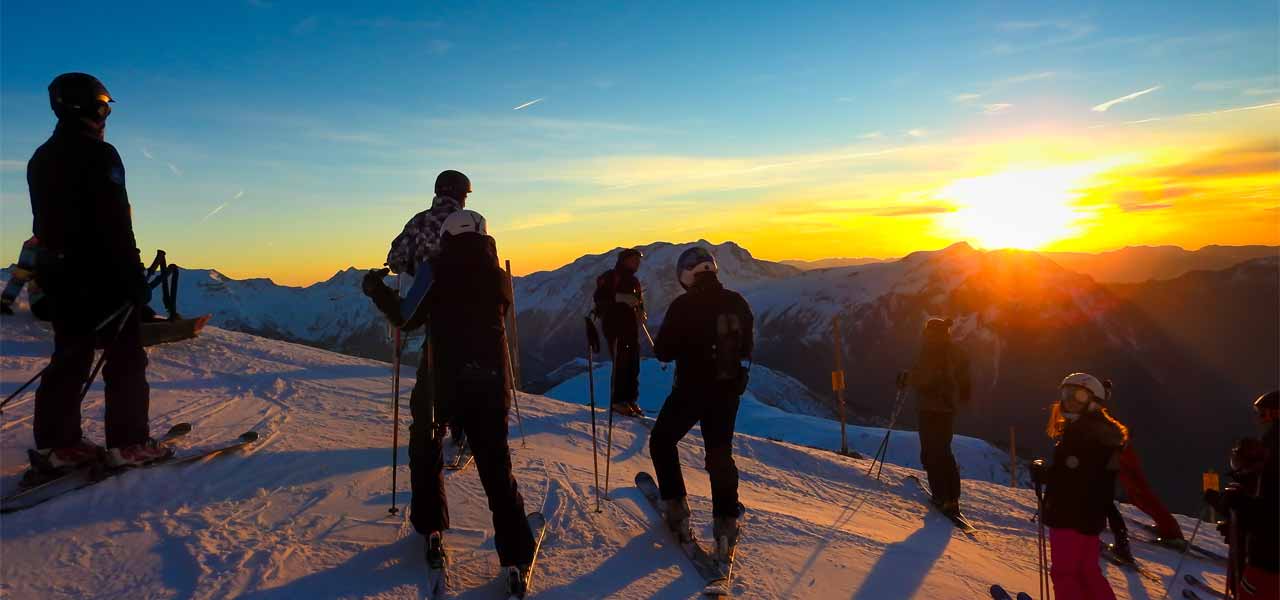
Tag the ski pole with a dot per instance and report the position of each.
(883, 451)
(395, 417)
(652, 346)
(515, 396)
(593, 344)
(1046, 583)
(1178, 570)
(40, 374)
(126, 310)
(608, 439)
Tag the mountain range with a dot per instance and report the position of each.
(1186, 352)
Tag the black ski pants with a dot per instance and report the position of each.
(626, 369)
(480, 409)
(936, 430)
(716, 408)
(128, 397)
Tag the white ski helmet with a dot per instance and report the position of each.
(1088, 382)
(693, 261)
(464, 221)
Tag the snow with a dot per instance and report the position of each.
(303, 514)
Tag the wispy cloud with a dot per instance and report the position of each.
(528, 104)
(147, 153)
(965, 98)
(996, 108)
(893, 210)
(1105, 106)
(543, 220)
(1037, 35)
(174, 169)
(917, 133)
(215, 211)
(1025, 77)
(871, 135)
(305, 26)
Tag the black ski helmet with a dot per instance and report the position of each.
(452, 183)
(628, 253)
(1268, 405)
(693, 261)
(73, 95)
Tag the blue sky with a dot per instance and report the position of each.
(292, 139)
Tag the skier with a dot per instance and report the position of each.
(941, 381)
(619, 304)
(90, 269)
(1253, 499)
(467, 304)
(1080, 485)
(708, 333)
(418, 243)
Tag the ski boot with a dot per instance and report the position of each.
(1176, 543)
(725, 530)
(138, 454)
(677, 516)
(517, 581)
(69, 457)
(436, 555)
(627, 409)
(1121, 547)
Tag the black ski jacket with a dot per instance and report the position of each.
(1261, 511)
(1081, 482)
(619, 319)
(89, 263)
(941, 378)
(467, 307)
(688, 334)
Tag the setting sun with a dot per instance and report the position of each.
(1025, 209)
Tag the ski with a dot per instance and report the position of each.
(998, 593)
(438, 575)
(36, 489)
(723, 587)
(1179, 544)
(702, 561)
(1196, 582)
(461, 459)
(1190, 595)
(959, 521)
(100, 472)
(537, 525)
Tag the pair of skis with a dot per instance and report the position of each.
(998, 593)
(33, 494)
(718, 574)
(956, 519)
(438, 579)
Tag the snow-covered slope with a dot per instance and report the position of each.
(978, 459)
(304, 513)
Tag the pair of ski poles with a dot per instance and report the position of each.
(877, 463)
(123, 314)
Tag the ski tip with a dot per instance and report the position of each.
(249, 437)
(642, 476)
(179, 429)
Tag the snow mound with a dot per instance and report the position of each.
(303, 513)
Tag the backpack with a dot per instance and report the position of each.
(728, 351)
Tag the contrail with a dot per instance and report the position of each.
(1109, 103)
(215, 211)
(528, 104)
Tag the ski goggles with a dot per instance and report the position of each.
(1074, 398)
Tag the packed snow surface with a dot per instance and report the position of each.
(303, 514)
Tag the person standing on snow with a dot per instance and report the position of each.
(941, 380)
(619, 304)
(708, 332)
(1079, 486)
(467, 306)
(89, 266)
(417, 244)
(1252, 500)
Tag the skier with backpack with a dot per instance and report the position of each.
(90, 270)
(619, 304)
(1252, 523)
(708, 332)
(1079, 485)
(464, 380)
(942, 384)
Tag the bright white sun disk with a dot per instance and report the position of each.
(1018, 209)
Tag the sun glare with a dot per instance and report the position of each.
(1024, 209)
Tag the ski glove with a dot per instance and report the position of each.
(384, 298)
(140, 292)
(1039, 472)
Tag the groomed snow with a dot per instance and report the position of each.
(303, 514)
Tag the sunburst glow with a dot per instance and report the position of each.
(1025, 209)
